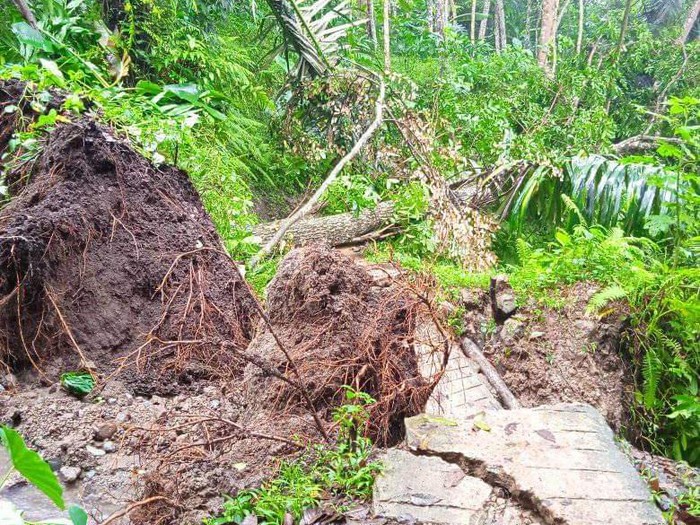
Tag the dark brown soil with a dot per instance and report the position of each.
(339, 329)
(105, 255)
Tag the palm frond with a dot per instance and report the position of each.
(313, 30)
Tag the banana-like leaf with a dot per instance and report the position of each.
(607, 192)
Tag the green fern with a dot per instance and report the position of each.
(571, 206)
(524, 250)
(651, 373)
(611, 293)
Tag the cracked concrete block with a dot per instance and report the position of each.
(461, 391)
(560, 460)
(427, 490)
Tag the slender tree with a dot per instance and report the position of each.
(623, 28)
(689, 23)
(473, 22)
(26, 12)
(548, 35)
(387, 40)
(579, 37)
(500, 21)
(485, 20)
(371, 22)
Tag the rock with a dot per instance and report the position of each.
(427, 489)
(560, 460)
(587, 326)
(122, 417)
(471, 299)
(90, 474)
(503, 304)
(109, 447)
(512, 330)
(214, 404)
(70, 474)
(55, 463)
(95, 451)
(105, 431)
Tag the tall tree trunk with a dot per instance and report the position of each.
(501, 21)
(26, 12)
(547, 34)
(689, 23)
(496, 31)
(562, 12)
(484, 23)
(371, 23)
(528, 24)
(473, 23)
(441, 9)
(623, 29)
(387, 39)
(579, 37)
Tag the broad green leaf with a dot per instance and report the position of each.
(34, 469)
(187, 92)
(77, 515)
(31, 37)
(78, 383)
(52, 67)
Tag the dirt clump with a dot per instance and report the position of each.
(339, 329)
(108, 262)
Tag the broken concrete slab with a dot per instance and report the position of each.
(559, 460)
(428, 490)
(461, 392)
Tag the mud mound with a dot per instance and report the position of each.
(105, 256)
(339, 330)
(551, 355)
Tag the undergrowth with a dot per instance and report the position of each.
(343, 472)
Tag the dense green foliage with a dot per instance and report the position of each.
(209, 87)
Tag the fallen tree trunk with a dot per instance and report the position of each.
(335, 230)
(344, 228)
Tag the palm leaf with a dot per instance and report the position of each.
(313, 30)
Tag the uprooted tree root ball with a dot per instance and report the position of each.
(339, 329)
(110, 263)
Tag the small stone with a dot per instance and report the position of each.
(587, 326)
(54, 463)
(95, 451)
(105, 431)
(512, 330)
(536, 335)
(470, 299)
(215, 404)
(70, 474)
(122, 417)
(112, 400)
(109, 447)
(90, 474)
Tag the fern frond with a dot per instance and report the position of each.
(651, 372)
(607, 295)
(524, 250)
